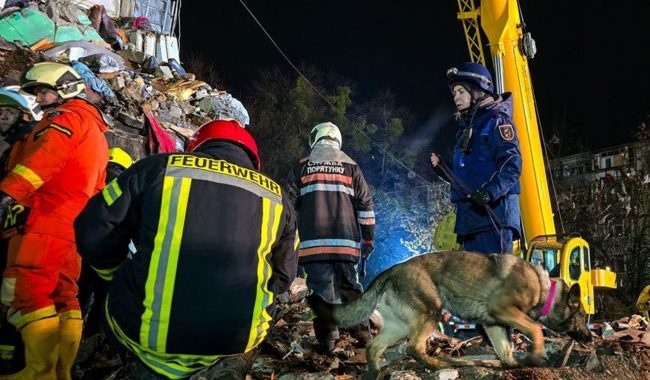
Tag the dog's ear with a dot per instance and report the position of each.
(574, 297)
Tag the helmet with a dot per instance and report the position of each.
(59, 77)
(120, 157)
(472, 73)
(325, 131)
(226, 130)
(11, 97)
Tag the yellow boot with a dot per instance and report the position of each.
(69, 339)
(41, 339)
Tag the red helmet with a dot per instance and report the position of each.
(226, 130)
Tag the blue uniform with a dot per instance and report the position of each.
(490, 160)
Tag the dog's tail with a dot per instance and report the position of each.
(352, 313)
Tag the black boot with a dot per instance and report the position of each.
(326, 334)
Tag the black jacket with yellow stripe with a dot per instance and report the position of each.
(215, 243)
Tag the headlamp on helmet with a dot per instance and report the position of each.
(473, 73)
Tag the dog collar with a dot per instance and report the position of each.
(549, 299)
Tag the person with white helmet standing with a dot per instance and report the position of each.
(63, 163)
(336, 224)
(486, 162)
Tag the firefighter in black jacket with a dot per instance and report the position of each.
(336, 223)
(215, 245)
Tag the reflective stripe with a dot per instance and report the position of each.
(328, 251)
(112, 192)
(106, 274)
(29, 175)
(221, 168)
(18, 319)
(297, 241)
(159, 287)
(173, 366)
(329, 242)
(326, 187)
(271, 215)
(366, 221)
(205, 175)
(366, 214)
(347, 180)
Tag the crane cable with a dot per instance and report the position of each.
(313, 87)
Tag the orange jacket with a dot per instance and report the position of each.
(62, 164)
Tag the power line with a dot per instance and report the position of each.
(313, 87)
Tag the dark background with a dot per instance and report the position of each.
(591, 73)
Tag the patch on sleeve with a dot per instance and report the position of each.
(55, 127)
(507, 132)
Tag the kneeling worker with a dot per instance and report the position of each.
(215, 244)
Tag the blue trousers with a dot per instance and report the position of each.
(488, 241)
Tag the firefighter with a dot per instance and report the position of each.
(487, 160)
(62, 164)
(18, 116)
(336, 222)
(92, 288)
(215, 245)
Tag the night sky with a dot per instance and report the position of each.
(591, 74)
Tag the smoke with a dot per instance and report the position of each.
(428, 134)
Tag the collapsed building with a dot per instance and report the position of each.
(131, 52)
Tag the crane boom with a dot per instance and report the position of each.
(567, 257)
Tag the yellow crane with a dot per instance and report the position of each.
(565, 257)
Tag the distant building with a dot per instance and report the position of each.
(602, 165)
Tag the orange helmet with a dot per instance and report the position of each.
(226, 130)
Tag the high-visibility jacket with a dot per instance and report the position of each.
(62, 164)
(215, 244)
(335, 209)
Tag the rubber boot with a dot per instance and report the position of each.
(69, 339)
(41, 340)
(326, 334)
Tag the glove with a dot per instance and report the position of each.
(366, 249)
(480, 196)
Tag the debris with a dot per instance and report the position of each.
(446, 374)
(592, 364)
(606, 330)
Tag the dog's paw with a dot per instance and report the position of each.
(535, 360)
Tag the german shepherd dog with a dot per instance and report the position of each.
(496, 291)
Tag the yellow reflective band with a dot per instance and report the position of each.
(172, 366)
(168, 183)
(112, 192)
(223, 167)
(271, 215)
(106, 274)
(172, 264)
(159, 287)
(29, 175)
(297, 241)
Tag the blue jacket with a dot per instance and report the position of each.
(492, 162)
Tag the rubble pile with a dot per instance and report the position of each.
(151, 104)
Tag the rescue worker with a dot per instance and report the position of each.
(92, 288)
(215, 245)
(487, 160)
(17, 119)
(336, 223)
(62, 164)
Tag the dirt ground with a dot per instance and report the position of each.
(288, 354)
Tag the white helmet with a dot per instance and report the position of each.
(325, 131)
